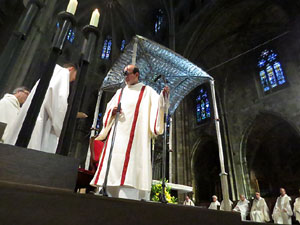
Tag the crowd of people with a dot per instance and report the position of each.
(259, 211)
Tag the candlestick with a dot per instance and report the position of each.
(95, 18)
(72, 6)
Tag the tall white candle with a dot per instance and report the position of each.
(95, 18)
(72, 6)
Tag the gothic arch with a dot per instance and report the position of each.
(268, 155)
(205, 168)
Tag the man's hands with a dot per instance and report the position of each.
(114, 111)
(166, 91)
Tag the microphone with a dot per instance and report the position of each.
(157, 78)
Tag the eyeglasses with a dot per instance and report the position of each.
(126, 73)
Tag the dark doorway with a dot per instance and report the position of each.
(206, 171)
(273, 154)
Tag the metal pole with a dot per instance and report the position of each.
(170, 151)
(223, 174)
(38, 98)
(134, 51)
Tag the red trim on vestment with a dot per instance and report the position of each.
(129, 146)
(107, 117)
(155, 132)
(101, 164)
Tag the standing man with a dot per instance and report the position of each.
(297, 208)
(259, 210)
(215, 204)
(50, 120)
(282, 212)
(243, 207)
(10, 105)
(188, 201)
(142, 116)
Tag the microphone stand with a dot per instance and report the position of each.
(162, 196)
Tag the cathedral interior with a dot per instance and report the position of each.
(251, 49)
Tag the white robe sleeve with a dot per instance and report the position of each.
(158, 105)
(108, 119)
(266, 211)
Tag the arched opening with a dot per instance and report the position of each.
(206, 169)
(273, 153)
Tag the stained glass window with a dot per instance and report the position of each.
(106, 50)
(123, 43)
(70, 35)
(202, 106)
(270, 71)
(158, 20)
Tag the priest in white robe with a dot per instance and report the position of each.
(50, 120)
(10, 105)
(188, 201)
(142, 116)
(282, 212)
(259, 210)
(215, 204)
(243, 207)
(297, 208)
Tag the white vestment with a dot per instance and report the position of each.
(214, 205)
(142, 116)
(243, 208)
(9, 109)
(297, 209)
(222, 207)
(282, 212)
(50, 120)
(259, 211)
(189, 202)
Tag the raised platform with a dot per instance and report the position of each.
(26, 166)
(26, 204)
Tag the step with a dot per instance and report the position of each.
(36, 205)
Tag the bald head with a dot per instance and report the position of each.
(131, 73)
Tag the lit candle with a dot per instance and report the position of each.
(72, 6)
(95, 18)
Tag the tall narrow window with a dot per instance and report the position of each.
(158, 21)
(270, 71)
(70, 35)
(123, 43)
(202, 106)
(106, 49)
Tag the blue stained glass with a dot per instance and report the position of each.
(279, 73)
(272, 57)
(108, 51)
(264, 53)
(207, 106)
(123, 45)
(202, 106)
(159, 21)
(271, 76)
(271, 73)
(71, 36)
(261, 63)
(264, 80)
(104, 49)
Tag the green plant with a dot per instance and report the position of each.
(157, 189)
